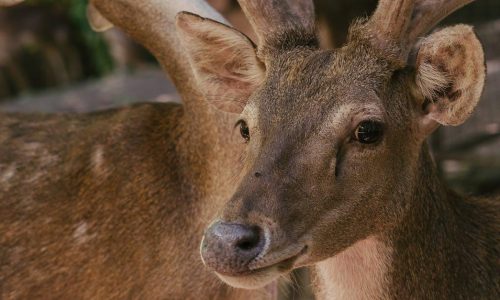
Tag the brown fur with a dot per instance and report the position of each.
(130, 229)
(112, 205)
(323, 199)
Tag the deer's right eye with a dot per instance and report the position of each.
(369, 132)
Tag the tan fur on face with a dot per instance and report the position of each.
(358, 272)
(451, 73)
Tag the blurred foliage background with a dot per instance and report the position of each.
(48, 43)
(51, 61)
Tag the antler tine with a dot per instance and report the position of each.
(152, 23)
(270, 17)
(389, 24)
(392, 17)
(397, 24)
(428, 13)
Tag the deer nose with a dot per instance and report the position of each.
(228, 248)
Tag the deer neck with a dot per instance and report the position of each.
(210, 154)
(433, 245)
(359, 272)
(372, 268)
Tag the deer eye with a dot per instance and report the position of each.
(369, 132)
(244, 131)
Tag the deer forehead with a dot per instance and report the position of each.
(331, 102)
(305, 79)
(356, 61)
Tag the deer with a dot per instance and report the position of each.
(112, 204)
(338, 176)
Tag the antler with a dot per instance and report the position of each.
(152, 23)
(272, 17)
(428, 13)
(397, 24)
(391, 19)
(9, 2)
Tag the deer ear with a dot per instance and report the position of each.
(450, 75)
(96, 20)
(224, 61)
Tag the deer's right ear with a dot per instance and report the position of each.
(224, 61)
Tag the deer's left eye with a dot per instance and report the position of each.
(369, 132)
(244, 130)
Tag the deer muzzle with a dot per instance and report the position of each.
(229, 248)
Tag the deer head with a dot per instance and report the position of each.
(334, 137)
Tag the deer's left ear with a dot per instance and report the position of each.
(450, 73)
(224, 61)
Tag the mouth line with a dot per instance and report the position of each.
(282, 265)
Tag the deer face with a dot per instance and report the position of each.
(324, 176)
(333, 138)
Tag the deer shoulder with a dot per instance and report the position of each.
(111, 205)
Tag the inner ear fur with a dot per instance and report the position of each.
(450, 74)
(224, 61)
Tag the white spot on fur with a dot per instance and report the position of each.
(45, 161)
(97, 160)
(35, 177)
(8, 173)
(31, 149)
(359, 272)
(81, 233)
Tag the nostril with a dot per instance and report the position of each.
(230, 247)
(246, 245)
(250, 240)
